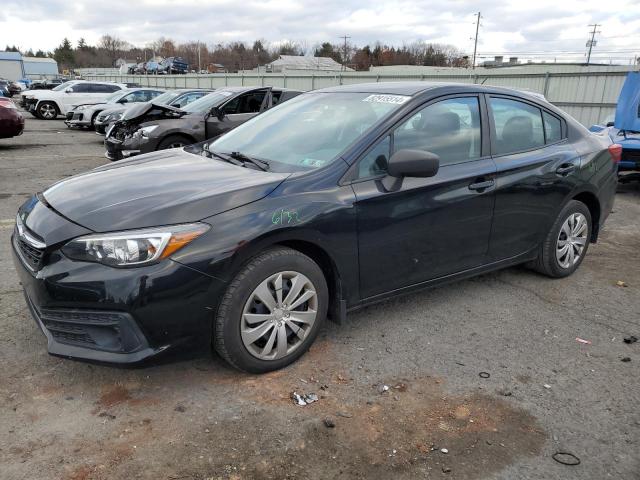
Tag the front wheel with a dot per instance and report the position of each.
(173, 141)
(272, 311)
(566, 244)
(48, 111)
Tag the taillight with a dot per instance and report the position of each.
(616, 152)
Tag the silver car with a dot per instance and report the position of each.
(85, 115)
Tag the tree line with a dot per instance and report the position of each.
(238, 56)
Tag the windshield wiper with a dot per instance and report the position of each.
(261, 164)
(223, 157)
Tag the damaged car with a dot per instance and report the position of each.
(84, 115)
(149, 127)
(175, 98)
(335, 200)
(624, 128)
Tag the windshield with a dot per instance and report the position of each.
(310, 130)
(63, 86)
(204, 104)
(166, 98)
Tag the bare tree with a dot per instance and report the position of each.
(113, 46)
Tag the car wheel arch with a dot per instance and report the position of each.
(590, 199)
(306, 244)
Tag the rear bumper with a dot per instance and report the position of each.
(11, 123)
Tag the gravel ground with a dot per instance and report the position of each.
(198, 419)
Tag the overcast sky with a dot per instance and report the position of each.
(520, 27)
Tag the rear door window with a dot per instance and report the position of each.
(518, 126)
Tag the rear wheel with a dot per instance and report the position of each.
(272, 311)
(174, 141)
(566, 244)
(48, 110)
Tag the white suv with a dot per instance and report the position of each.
(48, 104)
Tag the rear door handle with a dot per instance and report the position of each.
(481, 185)
(565, 169)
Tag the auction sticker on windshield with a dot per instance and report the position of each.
(395, 99)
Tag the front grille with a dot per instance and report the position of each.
(31, 255)
(69, 115)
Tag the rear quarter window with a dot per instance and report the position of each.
(552, 127)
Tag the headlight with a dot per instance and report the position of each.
(134, 247)
(144, 131)
(78, 108)
(113, 117)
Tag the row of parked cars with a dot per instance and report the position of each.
(141, 120)
(168, 66)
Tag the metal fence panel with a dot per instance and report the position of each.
(589, 96)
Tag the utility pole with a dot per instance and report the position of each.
(592, 43)
(344, 58)
(475, 43)
(199, 63)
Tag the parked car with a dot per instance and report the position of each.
(151, 127)
(151, 67)
(4, 90)
(85, 115)
(624, 128)
(47, 84)
(175, 98)
(336, 199)
(173, 65)
(11, 121)
(48, 104)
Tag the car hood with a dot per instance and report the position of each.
(142, 110)
(629, 104)
(160, 188)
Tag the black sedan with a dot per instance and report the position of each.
(152, 126)
(336, 199)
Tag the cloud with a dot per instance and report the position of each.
(507, 27)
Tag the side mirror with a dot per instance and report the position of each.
(123, 100)
(69, 90)
(410, 163)
(177, 105)
(610, 124)
(218, 112)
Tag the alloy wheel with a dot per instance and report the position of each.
(48, 111)
(279, 315)
(571, 240)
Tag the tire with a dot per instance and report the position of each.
(245, 327)
(566, 233)
(174, 141)
(93, 119)
(47, 111)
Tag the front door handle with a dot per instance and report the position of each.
(565, 169)
(481, 185)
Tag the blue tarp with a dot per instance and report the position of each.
(628, 108)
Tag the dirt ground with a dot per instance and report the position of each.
(198, 419)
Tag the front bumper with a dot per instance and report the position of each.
(77, 119)
(92, 312)
(129, 147)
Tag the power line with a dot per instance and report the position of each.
(592, 42)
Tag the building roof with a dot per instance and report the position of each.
(10, 56)
(299, 62)
(38, 59)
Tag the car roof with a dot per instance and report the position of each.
(417, 87)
